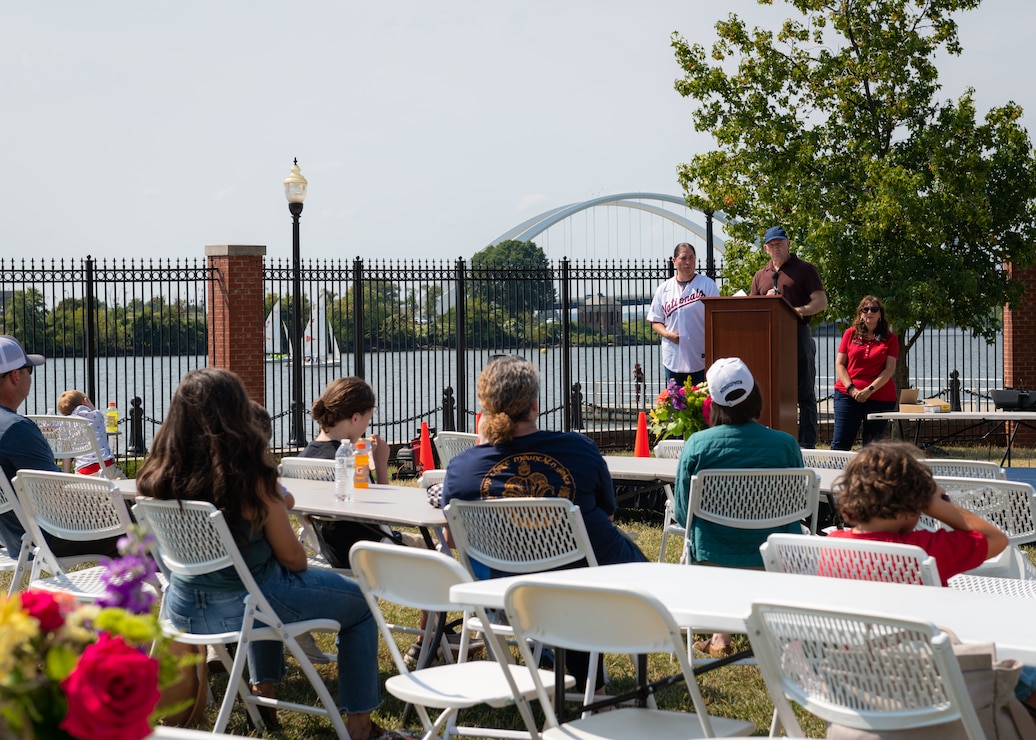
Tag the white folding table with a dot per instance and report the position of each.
(405, 506)
(709, 599)
(976, 418)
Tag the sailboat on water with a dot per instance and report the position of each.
(273, 332)
(319, 345)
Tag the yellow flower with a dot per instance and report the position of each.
(16, 629)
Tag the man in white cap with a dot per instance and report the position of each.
(799, 282)
(22, 445)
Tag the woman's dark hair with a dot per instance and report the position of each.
(881, 331)
(211, 448)
(341, 399)
(746, 411)
(883, 481)
(680, 247)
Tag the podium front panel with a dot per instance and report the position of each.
(762, 331)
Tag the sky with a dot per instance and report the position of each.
(426, 129)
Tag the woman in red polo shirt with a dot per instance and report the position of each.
(865, 364)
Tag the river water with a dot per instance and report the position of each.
(410, 384)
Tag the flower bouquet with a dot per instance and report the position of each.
(70, 671)
(680, 410)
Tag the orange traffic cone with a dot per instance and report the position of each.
(642, 448)
(427, 458)
(478, 418)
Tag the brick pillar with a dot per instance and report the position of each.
(236, 312)
(1020, 343)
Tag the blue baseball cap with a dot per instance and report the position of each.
(775, 232)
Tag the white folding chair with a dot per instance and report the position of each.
(311, 468)
(421, 579)
(430, 477)
(1010, 505)
(860, 560)
(14, 563)
(519, 536)
(826, 459)
(669, 448)
(953, 468)
(192, 539)
(70, 437)
(754, 498)
(992, 585)
(750, 498)
(78, 508)
(610, 620)
(307, 468)
(449, 444)
(862, 670)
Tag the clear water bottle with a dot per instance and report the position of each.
(111, 418)
(344, 472)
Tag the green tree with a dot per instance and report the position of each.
(831, 126)
(23, 315)
(513, 276)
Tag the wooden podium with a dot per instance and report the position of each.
(763, 332)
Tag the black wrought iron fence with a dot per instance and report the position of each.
(419, 331)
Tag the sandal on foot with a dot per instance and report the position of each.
(713, 651)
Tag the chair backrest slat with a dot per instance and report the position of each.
(309, 468)
(860, 560)
(669, 448)
(69, 437)
(451, 444)
(755, 498)
(866, 671)
(520, 535)
(1010, 505)
(965, 468)
(826, 459)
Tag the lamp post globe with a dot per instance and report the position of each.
(295, 192)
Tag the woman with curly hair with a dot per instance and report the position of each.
(211, 447)
(865, 363)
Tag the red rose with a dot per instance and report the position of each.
(111, 692)
(42, 606)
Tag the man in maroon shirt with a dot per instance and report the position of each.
(799, 282)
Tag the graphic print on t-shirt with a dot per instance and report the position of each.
(528, 475)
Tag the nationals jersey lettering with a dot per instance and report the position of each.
(671, 307)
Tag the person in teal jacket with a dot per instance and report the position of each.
(735, 439)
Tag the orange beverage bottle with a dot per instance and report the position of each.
(361, 466)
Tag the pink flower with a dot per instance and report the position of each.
(706, 407)
(111, 692)
(44, 608)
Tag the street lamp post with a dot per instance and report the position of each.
(295, 191)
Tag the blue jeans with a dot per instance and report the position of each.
(850, 414)
(312, 594)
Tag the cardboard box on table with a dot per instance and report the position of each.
(910, 404)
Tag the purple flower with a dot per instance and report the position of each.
(124, 577)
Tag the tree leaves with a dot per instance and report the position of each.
(831, 126)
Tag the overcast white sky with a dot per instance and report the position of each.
(426, 129)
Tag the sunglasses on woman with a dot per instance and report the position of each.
(870, 309)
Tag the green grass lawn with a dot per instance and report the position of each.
(735, 691)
